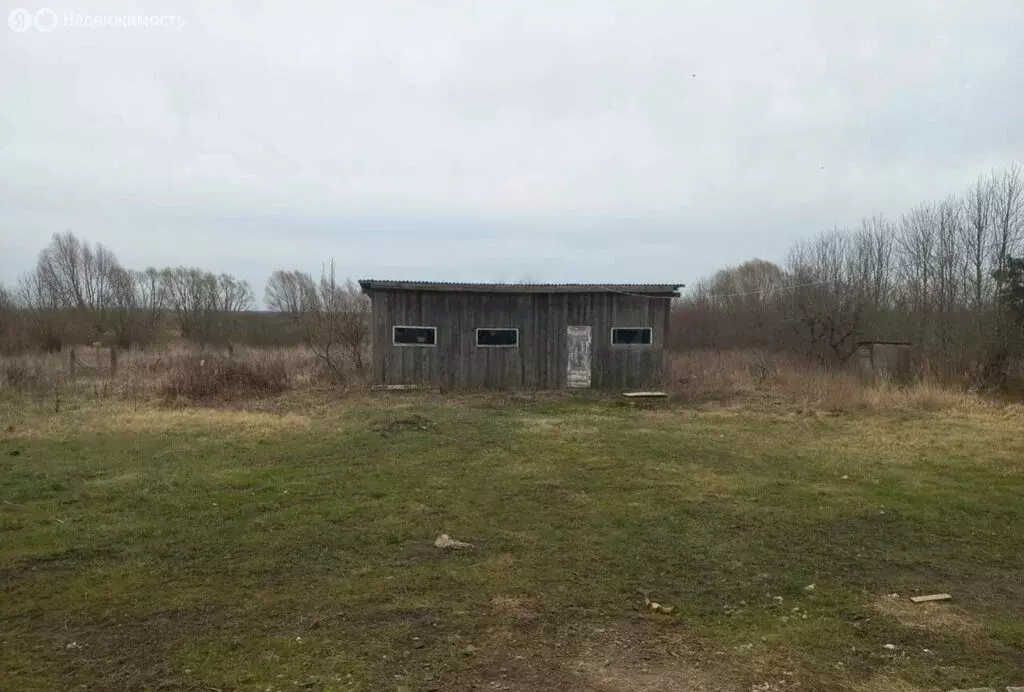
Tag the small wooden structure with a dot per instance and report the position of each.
(884, 360)
(519, 336)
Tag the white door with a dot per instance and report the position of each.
(577, 341)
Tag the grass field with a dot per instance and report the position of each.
(291, 548)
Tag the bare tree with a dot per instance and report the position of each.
(746, 296)
(876, 244)
(696, 321)
(1007, 206)
(205, 305)
(232, 296)
(332, 317)
(124, 309)
(151, 297)
(977, 243)
(189, 298)
(337, 320)
(350, 309)
(42, 310)
(6, 300)
(81, 278)
(830, 279)
(291, 293)
(7, 317)
(937, 277)
(140, 299)
(948, 292)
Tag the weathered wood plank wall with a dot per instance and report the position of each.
(539, 362)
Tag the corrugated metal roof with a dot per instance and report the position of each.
(443, 286)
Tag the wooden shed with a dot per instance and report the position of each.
(884, 360)
(519, 336)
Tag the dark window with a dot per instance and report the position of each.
(415, 336)
(622, 336)
(497, 337)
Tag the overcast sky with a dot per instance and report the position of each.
(597, 140)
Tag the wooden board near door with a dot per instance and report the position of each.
(578, 349)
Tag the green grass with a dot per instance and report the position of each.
(291, 548)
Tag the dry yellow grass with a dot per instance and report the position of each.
(120, 418)
(929, 616)
(731, 378)
(760, 378)
(92, 373)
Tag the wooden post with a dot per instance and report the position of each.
(71, 362)
(113, 360)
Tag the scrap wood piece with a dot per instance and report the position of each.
(931, 597)
(405, 388)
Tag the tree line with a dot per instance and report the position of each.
(79, 293)
(945, 276)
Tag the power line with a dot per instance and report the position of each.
(765, 290)
(720, 295)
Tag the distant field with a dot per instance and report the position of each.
(291, 548)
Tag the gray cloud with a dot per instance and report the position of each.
(600, 140)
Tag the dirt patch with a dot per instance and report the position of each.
(123, 652)
(515, 607)
(945, 617)
(536, 655)
(412, 423)
(638, 658)
(658, 677)
(61, 561)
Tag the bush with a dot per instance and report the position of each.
(774, 379)
(226, 378)
(22, 376)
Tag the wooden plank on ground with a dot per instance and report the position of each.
(931, 597)
(405, 388)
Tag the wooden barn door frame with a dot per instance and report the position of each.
(578, 344)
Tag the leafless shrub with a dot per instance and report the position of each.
(22, 376)
(215, 377)
(8, 320)
(758, 378)
(143, 374)
(332, 317)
